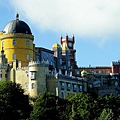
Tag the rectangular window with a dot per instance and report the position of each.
(80, 88)
(14, 56)
(33, 75)
(70, 44)
(33, 85)
(5, 75)
(62, 85)
(68, 86)
(74, 87)
(14, 42)
(27, 43)
(27, 57)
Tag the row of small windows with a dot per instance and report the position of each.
(32, 85)
(75, 87)
(15, 43)
(27, 57)
(1, 75)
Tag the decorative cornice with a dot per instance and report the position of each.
(17, 35)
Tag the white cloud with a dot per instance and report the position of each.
(91, 18)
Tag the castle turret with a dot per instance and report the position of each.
(37, 77)
(17, 41)
(58, 56)
(69, 43)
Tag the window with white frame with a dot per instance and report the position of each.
(27, 57)
(14, 57)
(14, 42)
(33, 75)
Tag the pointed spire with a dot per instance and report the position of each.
(17, 16)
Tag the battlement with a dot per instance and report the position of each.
(38, 63)
(115, 63)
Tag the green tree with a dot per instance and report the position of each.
(50, 107)
(106, 114)
(63, 109)
(81, 106)
(107, 102)
(14, 104)
(44, 107)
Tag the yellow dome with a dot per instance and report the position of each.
(65, 48)
(56, 45)
(83, 72)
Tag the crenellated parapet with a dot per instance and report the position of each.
(38, 63)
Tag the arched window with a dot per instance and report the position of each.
(14, 42)
(27, 57)
(27, 42)
(14, 56)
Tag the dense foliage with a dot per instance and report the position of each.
(14, 104)
(50, 107)
(76, 107)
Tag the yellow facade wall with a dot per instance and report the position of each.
(20, 48)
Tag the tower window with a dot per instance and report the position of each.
(33, 75)
(27, 42)
(70, 44)
(14, 42)
(33, 85)
(2, 43)
(27, 57)
(14, 56)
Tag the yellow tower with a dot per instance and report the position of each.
(17, 42)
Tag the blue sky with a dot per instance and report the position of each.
(94, 23)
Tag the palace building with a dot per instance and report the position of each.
(39, 69)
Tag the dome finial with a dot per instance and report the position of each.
(17, 16)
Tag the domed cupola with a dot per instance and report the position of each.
(17, 26)
(17, 42)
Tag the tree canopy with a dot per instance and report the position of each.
(14, 104)
(50, 107)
